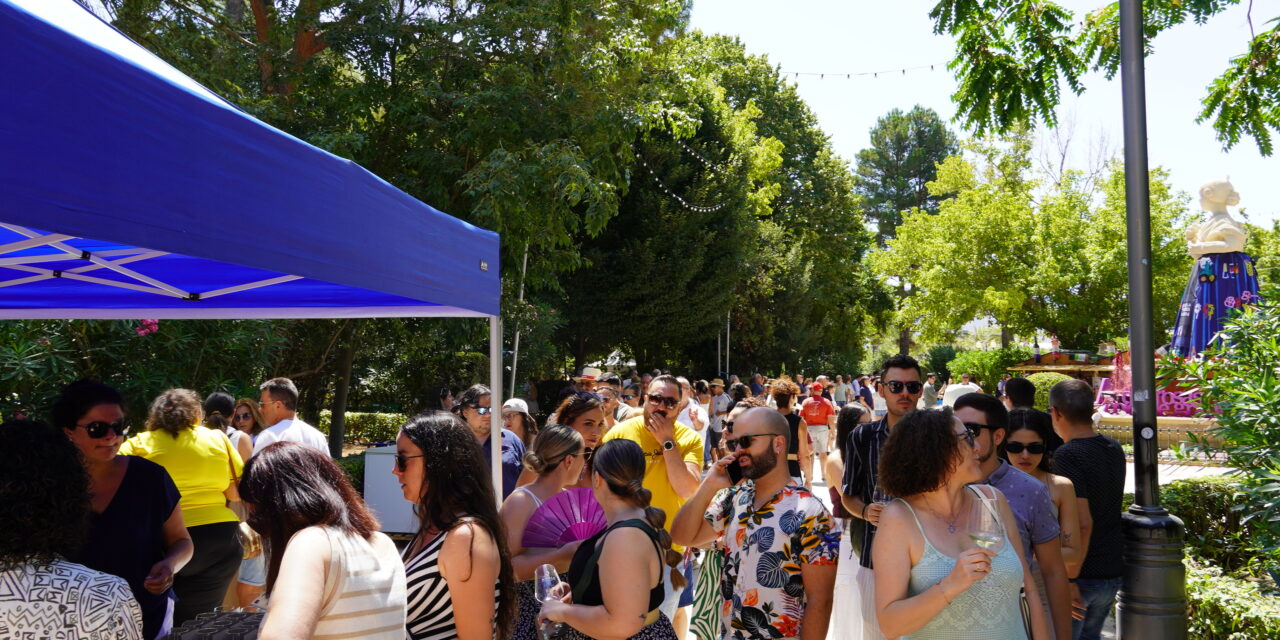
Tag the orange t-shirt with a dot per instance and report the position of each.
(816, 411)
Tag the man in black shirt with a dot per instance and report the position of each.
(1095, 464)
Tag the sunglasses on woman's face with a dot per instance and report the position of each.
(99, 429)
(402, 461)
(1035, 448)
(668, 402)
(896, 386)
(242, 416)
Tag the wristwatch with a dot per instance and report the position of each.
(668, 445)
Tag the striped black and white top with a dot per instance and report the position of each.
(430, 608)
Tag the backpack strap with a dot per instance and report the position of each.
(589, 569)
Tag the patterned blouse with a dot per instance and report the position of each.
(66, 600)
(761, 588)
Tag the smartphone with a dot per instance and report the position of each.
(735, 472)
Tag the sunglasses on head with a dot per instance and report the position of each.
(895, 386)
(1035, 448)
(658, 398)
(743, 442)
(99, 429)
(402, 461)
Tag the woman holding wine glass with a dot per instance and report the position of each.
(947, 556)
(557, 456)
(634, 552)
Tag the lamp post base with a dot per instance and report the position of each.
(1152, 603)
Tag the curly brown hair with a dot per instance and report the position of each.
(921, 452)
(784, 389)
(44, 494)
(174, 411)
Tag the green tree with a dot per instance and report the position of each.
(893, 174)
(1014, 58)
(1030, 257)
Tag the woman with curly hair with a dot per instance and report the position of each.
(784, 393)
(931, 580)
(627, 605)
(205, 468)
(558, 456)
(134, 517)
(460, 580)
(331, 573)
(44, 505)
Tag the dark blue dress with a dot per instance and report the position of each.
(1220, 284)
(127, 538)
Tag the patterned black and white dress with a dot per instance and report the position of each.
(61, 599)
(430, 608)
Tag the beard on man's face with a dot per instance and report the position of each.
(760, 465)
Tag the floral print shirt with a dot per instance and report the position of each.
(761, 587)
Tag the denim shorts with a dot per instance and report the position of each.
(253, 571)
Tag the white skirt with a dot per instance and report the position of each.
(853, 611)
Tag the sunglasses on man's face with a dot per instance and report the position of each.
(895, 386)
(1035, 448)
(484, 411)
(628, 397)
(976, 428)
(743, 442)
(99, 429)
(668, 402)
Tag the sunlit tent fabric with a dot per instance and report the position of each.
(127, 190)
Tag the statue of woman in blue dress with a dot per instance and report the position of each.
(1223, 277)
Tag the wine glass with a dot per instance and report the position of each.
(985, 528)
(545, 579)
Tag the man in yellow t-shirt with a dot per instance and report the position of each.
(673, 458)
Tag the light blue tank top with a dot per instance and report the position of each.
(990, 609)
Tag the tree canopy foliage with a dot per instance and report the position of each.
(1031, 256)
(1015, 58)
(893, 174)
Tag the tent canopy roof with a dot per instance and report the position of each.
(127, 190)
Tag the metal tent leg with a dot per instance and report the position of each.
(495, 401)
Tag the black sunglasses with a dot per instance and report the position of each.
(629, 397)
(976, 428)
(403, 460)
(742, 442)
(658, 398)
(242, 416)
(728, 425)
(98, 429)
(895, 386)
(1035, 448)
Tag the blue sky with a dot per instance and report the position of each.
(845, 36)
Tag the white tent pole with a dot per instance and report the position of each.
(495, 401)
(515, 349)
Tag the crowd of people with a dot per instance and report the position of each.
(945, 515)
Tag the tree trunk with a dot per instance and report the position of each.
(904, 341)
(338, 414)
(1005, 338)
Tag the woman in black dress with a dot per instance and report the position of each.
(136, 529)
(626, 605)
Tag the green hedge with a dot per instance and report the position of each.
(1044, 381)
(367, 427)
(1215, 531)
(353, 466)
(1220, 607)
(986, 366)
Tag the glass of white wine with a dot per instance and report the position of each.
(985, 528)
(545, 580)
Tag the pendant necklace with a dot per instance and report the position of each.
(951, 524)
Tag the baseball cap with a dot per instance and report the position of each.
(515, 404)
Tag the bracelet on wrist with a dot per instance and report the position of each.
(942, 590)
(864, 510)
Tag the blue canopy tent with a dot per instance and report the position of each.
(127, 190)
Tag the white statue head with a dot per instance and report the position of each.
(1217, 195)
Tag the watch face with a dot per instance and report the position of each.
(668, 445)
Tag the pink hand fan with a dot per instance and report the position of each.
(572, 515)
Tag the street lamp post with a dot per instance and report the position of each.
(1152, 601)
